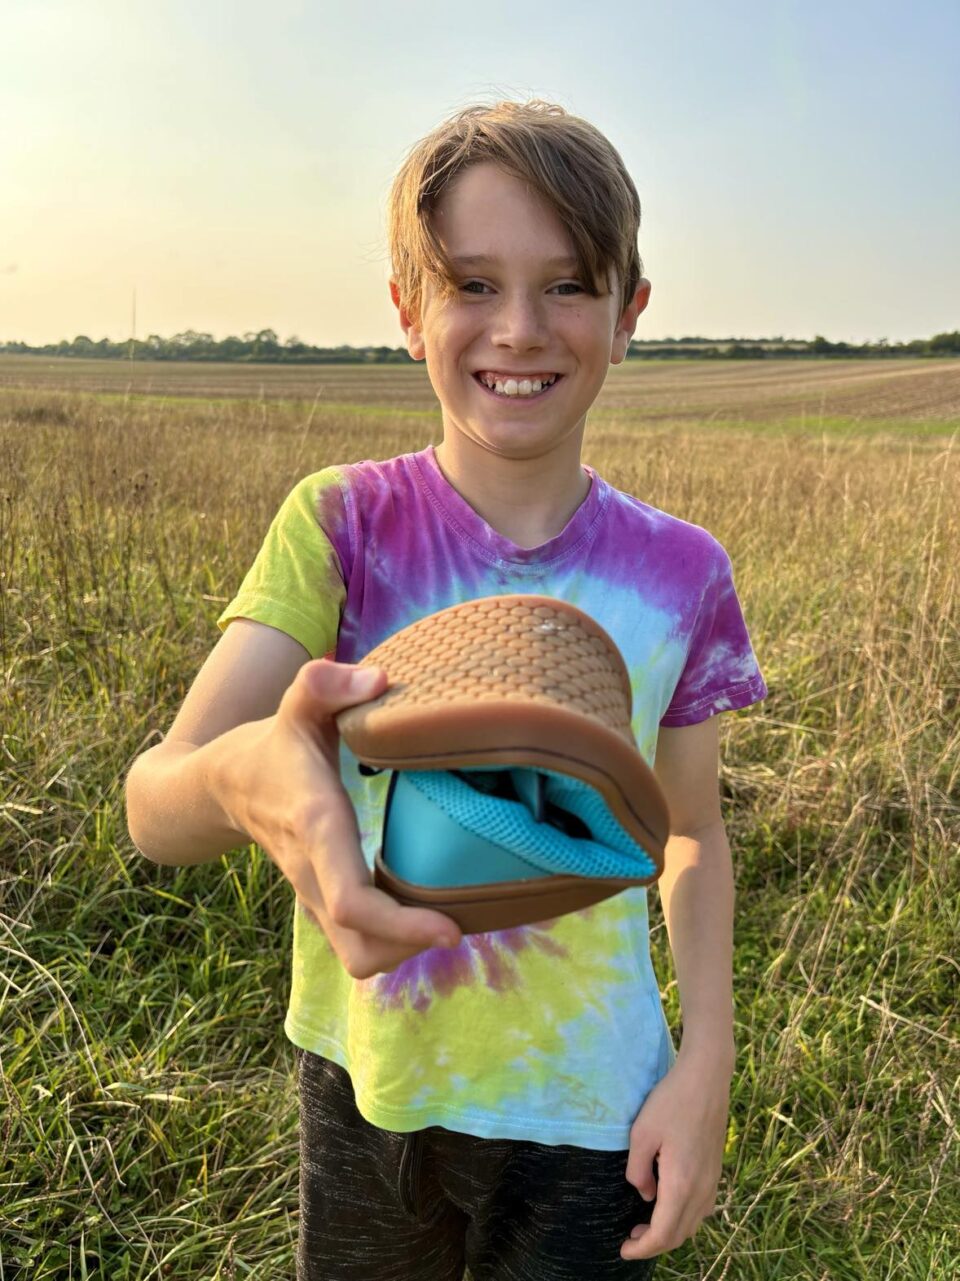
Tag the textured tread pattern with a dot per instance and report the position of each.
(527, 649)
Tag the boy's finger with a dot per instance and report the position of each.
(369, 910)
(642, 1168)
(386, 954)
(393, 920)
(657, 1236)
(352, 900)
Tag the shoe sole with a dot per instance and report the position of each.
(510, 680)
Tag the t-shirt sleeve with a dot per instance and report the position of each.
(296, 582)
(721, 671)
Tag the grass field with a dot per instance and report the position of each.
(848, 395)
(149, 1123)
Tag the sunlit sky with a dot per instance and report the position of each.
(798, 161)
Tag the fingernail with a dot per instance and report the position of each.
(361, 679)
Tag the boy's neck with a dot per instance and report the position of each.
(527, 500)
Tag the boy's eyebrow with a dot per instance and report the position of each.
(482, 260)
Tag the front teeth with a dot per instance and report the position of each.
(515, 387)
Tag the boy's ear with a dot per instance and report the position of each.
(628, 321)
(410, 327)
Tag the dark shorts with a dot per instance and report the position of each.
(376, 1205)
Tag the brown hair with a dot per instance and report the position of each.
(566, 160)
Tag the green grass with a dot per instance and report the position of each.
(658, 418)
(149, 1127)
(193, 403)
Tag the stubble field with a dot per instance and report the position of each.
(149, 1102)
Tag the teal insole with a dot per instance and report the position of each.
(469, 827)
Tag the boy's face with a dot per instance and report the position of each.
(520, 317)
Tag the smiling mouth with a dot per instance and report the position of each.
(509, 387)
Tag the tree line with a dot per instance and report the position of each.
(265, 347)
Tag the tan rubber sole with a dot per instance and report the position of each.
(511, 680)
(501, 905)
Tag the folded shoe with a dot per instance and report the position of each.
(517, 791)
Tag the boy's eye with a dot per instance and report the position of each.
(566, 288)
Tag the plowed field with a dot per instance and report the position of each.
(925, 392)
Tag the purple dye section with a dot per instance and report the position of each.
(406, 562)
(331, 513)
(494, 547)
(720, 672)
(423, 548)
(667, 555)
(480, 959)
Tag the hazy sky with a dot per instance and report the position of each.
(798, 161)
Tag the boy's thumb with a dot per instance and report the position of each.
(329, 687)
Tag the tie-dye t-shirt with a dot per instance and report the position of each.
(552, 1032)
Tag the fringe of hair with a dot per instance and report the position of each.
(565, 159)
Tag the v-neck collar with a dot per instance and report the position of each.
(493, 546)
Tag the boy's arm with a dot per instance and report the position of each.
(253, 755)
(174, 815)
(683, 1121)
(696, 890)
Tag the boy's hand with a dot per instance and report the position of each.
(683, 1123)
(284, 789)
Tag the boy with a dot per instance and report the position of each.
(509, 1101)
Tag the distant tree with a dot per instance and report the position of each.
(231, 348)
(264, 346)
(945, 344)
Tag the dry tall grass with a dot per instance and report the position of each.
(150, 1122)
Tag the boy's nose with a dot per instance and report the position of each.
(519, 323)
